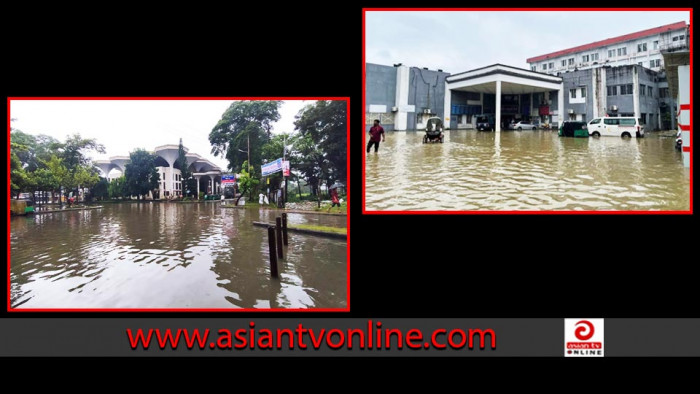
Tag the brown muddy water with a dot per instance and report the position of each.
(158, 255)
(528, 170)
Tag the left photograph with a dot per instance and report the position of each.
(178, 204)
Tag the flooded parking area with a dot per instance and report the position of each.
(171, 255)
(528, 170)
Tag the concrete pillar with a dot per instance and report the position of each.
(560, 106)
(448, 106)
(498, 105)
(401, 118)
(635, 91)
(197, 178)
(594, 92)
(211, 184)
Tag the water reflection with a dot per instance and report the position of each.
(151, 255)
(525, 171)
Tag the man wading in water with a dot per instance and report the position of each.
(376, 132)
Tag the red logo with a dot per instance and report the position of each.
(581, 333)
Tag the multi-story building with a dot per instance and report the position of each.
(642, 48)
(619, 76)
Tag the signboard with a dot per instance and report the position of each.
(285, 167)
(377, 108)
(271, 168)
(407, 108)
(229, 179)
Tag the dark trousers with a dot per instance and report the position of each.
(376, 146)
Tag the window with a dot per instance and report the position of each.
(612, 90)
(644, 119)
(533, 68)
(657, 63)
(613, 121)
(621, 51)
(595, 56)
(571, 61)
(551, 65)
(572, 93)
(650, 91)
(563, 63)
(611, 53)
(595, 121)
(675, 38)
(663, 92)
(585, 58)
(642, 47)
(642, 90)
(625, 89)
(544, 66)
(656, 44)
(628, 122)
(682, 37)
(641, 64)
(583, 92)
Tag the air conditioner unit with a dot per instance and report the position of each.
(394, 109)
(571, 111)
(613, 108)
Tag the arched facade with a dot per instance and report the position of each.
(207, 174)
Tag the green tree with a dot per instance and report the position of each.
(325, 123)
(188, 180)
(244, 123)
(19, 178)
(310, 161)
(247, 181)
(117, 188)
(38, 149)
(74, 150)
(101, 189)
(59, 173)
(84, 176)
(141, 173)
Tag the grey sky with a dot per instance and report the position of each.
(124, 125)
(457, 41)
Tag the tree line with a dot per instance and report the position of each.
(316, 149)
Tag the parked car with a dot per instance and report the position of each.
(485, 122)
(622, 126)
(524, 125)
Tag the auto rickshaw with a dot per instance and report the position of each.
(433, 131)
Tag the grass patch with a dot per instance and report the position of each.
(337, 230)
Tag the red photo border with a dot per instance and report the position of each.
(234, 310)
(528, 212)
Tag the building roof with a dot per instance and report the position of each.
(611, 41)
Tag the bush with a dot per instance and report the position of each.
(201, 195)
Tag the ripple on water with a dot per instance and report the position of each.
(531, 171)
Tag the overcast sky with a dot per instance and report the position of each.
(457, 41)
(124, 125)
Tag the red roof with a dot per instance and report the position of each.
(610, 41)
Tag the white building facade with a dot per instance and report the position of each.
(642, 48)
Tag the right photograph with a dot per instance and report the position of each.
(516, 111)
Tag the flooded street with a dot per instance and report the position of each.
(528, 170)
(159, 255)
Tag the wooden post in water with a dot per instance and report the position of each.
(279, 237)
(273, 256)
(284, 228)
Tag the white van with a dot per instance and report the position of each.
(622, 126)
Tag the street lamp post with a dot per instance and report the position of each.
(248, 152)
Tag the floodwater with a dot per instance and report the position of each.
(159, 255)
(528, 170)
